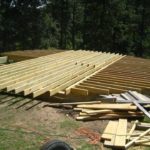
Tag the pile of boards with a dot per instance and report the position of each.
(129, 105)
(138, 99)
(107, 111)
(132, 105)
(117, 134)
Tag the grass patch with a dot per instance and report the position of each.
(69, 124)
(87, 146)
(146, 119)
(18, 140)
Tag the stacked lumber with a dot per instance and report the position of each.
(116, 134)
(107, 111)
(140, 100)
(53, 73)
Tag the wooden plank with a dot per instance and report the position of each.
(132, 129)
(109, 106)
(112, 85)
(110, 88)
(119, 139)
(107, 113)
(79, 91)
(107, 117)
(34, 85)
(35, 77)
(118, 82)
(68, 90)
(75, 103)
(55, 82)
(67, 84)
(90, 111)
(94, 89)
(110, 130)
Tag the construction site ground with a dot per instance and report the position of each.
(26, 126)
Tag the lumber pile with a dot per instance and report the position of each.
(140, 100)
(107, 111)
(116, 134)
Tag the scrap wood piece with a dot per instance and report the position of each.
(106, 117)
(93, 136)
(109, 130)
(120, 138)
(144, 137)
(132, 129)
(142, 141)
(109, 106)
(90, 111)
(137, 138)
(143, 125)
(112, 113)
(74, 103)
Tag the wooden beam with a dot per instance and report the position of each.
(79, 91)
(109, 106)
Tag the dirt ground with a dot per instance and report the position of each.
(26, 125)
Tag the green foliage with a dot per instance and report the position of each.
(106, 25)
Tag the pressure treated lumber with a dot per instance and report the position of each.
(110, 130)
(53, 73)
(122, 75)
(132, 129)
(106, 117)
(78, 91)
(120, 137)
(109, 106)
(137, 138)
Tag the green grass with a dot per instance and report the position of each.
(87, 146)
(19, 140)
(146, 119)
(69, 124)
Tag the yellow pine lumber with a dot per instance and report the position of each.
(79, 91)
(56, 81)
(110, 130)
(88, 111)
(64, 82)
(109, 113)
(132, 129)
(120, 137)
(68, 90)
(142, 141)
(137, 138)
(105, 117)
(109, 106)
(44, 80)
